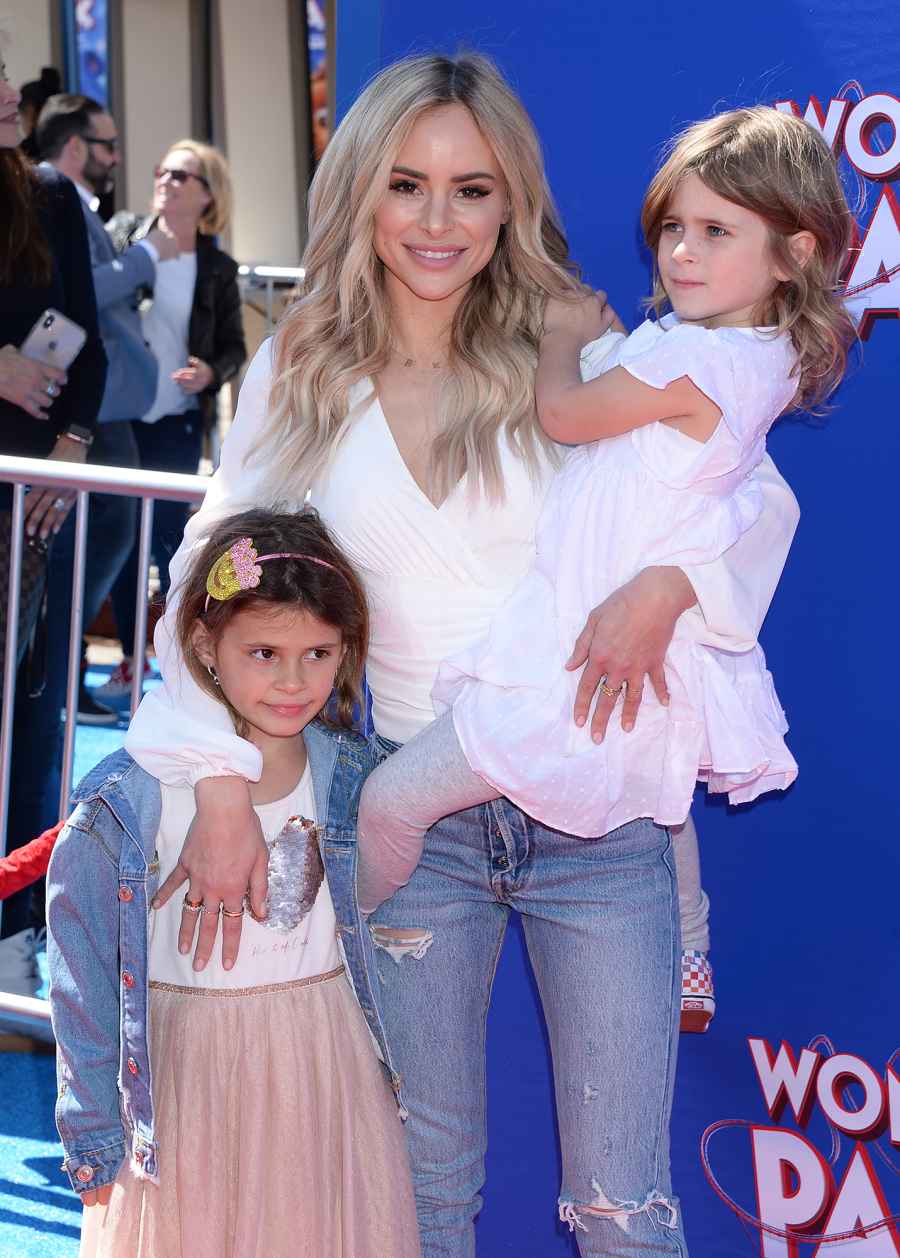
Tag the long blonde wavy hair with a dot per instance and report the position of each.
(778, 167)
(339, 330)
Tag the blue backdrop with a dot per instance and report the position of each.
(804, 888)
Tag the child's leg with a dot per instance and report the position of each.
(693, 902)
(427, 779)
(698, 1000)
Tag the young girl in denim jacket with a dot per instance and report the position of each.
(229, 1113)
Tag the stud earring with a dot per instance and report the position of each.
(213, 674)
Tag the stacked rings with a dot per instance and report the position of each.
(611, 692)
(197, 906)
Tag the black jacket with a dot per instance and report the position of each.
(216, 329)
(71, 290)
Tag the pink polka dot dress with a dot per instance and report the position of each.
(652, 496)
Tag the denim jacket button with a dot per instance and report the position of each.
(127, 978)
(132, 1065)
(126, 894)
(84, 1174)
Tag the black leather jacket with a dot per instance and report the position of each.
(216, 329)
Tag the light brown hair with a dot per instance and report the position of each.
(778, 167)
(332, 594)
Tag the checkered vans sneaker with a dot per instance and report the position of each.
(698, 999)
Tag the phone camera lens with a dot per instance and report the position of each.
(48, 322)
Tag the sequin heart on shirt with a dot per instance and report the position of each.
(295, 873)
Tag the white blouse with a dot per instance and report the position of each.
(434, 577)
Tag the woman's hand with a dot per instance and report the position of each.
(195, 377)
(224, 859)
(624, 641)
(30, 385)
(97, 1196)
(46, 507)
(584, 320)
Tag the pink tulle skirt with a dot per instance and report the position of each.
(278, 1134)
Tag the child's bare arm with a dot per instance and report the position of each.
(574, 411)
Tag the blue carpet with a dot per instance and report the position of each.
(40, 1217)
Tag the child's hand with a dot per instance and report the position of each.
(97, 1196)
(584, 319)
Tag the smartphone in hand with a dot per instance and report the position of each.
(54, 340)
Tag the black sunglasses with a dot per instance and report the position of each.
(179, 176)
(111, 146)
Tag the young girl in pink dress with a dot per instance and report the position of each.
(749, 229)
(234, 1111)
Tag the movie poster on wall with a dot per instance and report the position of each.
(89, 21)
(317, 39)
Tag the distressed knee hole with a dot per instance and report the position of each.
(654, 1204)
(398, 942)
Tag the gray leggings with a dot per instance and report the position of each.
(430, 778)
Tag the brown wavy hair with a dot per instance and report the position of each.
(334, 595)
(24, 252)
(778, 167)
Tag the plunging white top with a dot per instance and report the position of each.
(434, 575)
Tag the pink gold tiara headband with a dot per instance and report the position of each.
(238, 570)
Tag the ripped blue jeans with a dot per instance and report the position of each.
(600, 919)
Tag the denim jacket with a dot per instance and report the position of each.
(103, 875)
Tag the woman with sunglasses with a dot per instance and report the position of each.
(195, 329)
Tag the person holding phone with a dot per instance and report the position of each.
(77, 136)
(45, 412)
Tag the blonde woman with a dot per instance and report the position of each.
(399, 393)
(194, 327)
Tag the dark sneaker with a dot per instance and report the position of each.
(90, 712)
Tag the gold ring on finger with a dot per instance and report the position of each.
(610, 691)
(204, 908)
(234, 912)
(193, 906)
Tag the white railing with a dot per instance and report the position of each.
(84, 479)
(252, 276)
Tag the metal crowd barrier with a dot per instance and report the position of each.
(84, 479)
(21, 1013)
(253, 277)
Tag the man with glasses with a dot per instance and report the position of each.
(80, 139)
